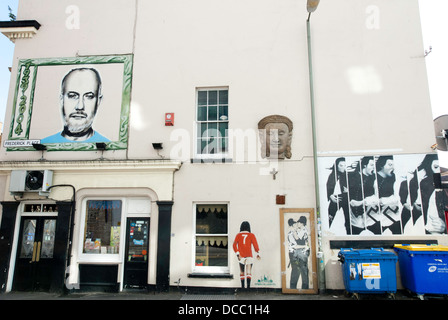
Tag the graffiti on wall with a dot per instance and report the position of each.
(297, 231)
(70, 104)
(80, 99)
(244, 241)
(381, 195)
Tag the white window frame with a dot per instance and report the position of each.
(42, 213)
(208, 269)
(197, 152)
(98, 257)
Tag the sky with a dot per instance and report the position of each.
(435, 28)
(6, 55)
(434, 25)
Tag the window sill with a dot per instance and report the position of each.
(92, 258)
(211, 275)
(211, 160)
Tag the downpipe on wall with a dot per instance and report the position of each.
(320, 253)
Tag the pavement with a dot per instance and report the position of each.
(181, 304)
(237, 295)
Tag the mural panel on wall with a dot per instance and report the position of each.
(71, 103)
(244, 241)
(297, 231)
(381, 195)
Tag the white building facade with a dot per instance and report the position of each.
(132, 154)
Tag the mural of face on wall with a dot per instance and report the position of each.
(275, 135)
(80, 98)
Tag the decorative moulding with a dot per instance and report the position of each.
(23, 29)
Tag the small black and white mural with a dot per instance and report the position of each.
(381, 195)
(297, 231)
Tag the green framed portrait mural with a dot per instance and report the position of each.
(70, 104)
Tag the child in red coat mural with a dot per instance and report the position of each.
(242, 245)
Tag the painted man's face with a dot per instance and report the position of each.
(277, 139)
(341, 166)
(388, 168)
(370, 167)
(435, 166)
(80, 100)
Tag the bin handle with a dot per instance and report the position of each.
(341, 256)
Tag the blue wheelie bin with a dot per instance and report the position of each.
(369, 271)
(423, 268)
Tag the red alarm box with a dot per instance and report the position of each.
(169, 119)
(280, 199)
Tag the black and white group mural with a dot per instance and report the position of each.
(381, 195)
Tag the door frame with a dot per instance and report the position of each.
(138, 204)
(63, 235)
(36, 264)
(126, 247)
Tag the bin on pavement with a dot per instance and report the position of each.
(423, 268)
(369, 271)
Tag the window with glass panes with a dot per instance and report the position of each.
(212, 121)
(211, 238)
(102, 226)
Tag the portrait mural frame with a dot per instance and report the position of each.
(21, 136)
(296, 264)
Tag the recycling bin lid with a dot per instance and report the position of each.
(421, 247)
(365, 252)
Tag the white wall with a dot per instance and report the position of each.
(370, 88)
(370, 77)
(369, 72)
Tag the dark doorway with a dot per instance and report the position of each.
(36, 261)
(136, 254)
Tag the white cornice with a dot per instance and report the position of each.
(19, 33)
(98, 165)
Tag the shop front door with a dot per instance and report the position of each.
(35, 260)
(136, 254)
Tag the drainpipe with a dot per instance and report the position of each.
(320, 254)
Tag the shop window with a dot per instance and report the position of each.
(212, 121)
(102, 227)
(211, 238)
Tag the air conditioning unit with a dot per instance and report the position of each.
(30, 181)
